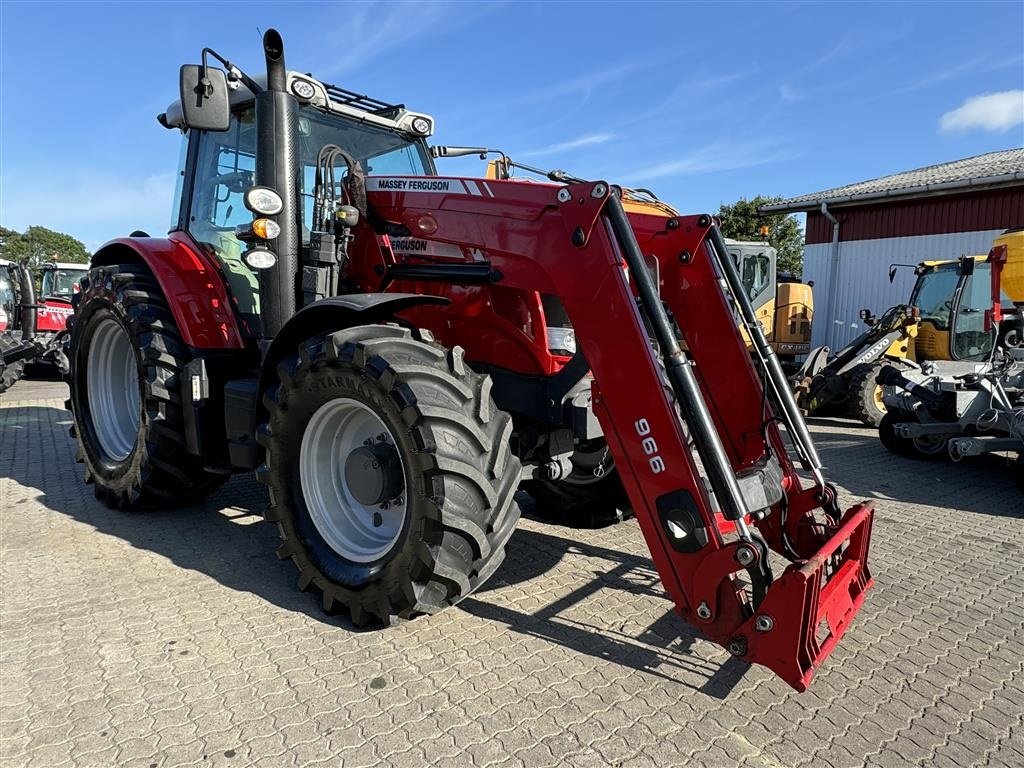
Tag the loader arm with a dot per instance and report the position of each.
(577, 243)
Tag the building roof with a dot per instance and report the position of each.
(994, 169)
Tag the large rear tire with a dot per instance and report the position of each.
(401, 523)
(9, 374)
(126, 357)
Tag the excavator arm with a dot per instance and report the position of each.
(692, 419)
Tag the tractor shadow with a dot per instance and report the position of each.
(225, 538)
(666, 648)
(857, 461)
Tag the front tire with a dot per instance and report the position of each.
(931, 448)
(126, 357)
(864, 395)
(401, 523)
(9, 374)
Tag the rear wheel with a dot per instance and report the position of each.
(126, 357)
(391, 478)
(9, 374)
(592, 496)
(864, 395)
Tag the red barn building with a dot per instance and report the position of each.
(854, 233)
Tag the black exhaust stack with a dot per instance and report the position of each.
(29, 308)
(277, 167)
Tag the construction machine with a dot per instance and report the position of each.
(31, 330)
(393, 398)
(941, 321)
(973, 404)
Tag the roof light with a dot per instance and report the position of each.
(303, 89)
(259, 258)
(263, 200)
(421, 126)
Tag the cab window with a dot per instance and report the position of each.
(970, 339)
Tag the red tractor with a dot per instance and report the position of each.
(34, 331)
(394, 352)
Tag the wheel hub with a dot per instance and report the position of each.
(112, 389)
(374, 473)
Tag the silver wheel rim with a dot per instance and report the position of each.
(112, 388)
(336, 429)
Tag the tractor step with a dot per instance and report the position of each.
(809, 607)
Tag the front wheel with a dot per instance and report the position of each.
(9, 374)
(929, 447)
(864, 395)
(391, 477)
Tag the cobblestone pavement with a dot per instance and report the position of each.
(176, 638)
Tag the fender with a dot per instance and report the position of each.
(333, 314)
(191, 283)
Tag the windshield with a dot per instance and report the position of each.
(225, 169)
(61, 282)
(933, 294)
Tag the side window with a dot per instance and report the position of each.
(225, 168)
(756, 275)
(970, 340)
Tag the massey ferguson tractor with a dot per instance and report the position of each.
(394, 352)
(31, 330)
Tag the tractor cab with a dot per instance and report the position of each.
(7, 300)
(217, 168)
(952, 298)
(61, 280)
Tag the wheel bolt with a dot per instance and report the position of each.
(378, 519)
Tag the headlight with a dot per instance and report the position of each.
(259, 258)
(267, 229)
(263, 200)
(421, 126)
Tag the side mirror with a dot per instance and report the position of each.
(867, 318)
(892, 273)
(966, 266)
(204, 99)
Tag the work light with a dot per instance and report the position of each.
(263, 200)
(259, 258)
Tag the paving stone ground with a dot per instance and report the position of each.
(176, 638)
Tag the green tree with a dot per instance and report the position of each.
(38, 245)
(741, 221)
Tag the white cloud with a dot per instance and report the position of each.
(715, 157)
(566, 146)
(988, 112)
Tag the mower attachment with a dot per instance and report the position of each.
(809, 607)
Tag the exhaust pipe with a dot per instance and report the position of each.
(277, 114)
(29, 308)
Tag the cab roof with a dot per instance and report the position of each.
(356, 106)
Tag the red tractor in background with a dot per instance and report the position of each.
(34, 331)
(394, 352)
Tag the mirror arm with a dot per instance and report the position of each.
(232, 71)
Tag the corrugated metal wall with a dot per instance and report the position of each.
(985, 210)
(864, 276)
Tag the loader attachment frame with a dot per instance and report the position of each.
(577, 243)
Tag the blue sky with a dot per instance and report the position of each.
(703, 103)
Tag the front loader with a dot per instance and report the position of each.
(393, 396)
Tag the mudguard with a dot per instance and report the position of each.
(333, 314)
(190, 281)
